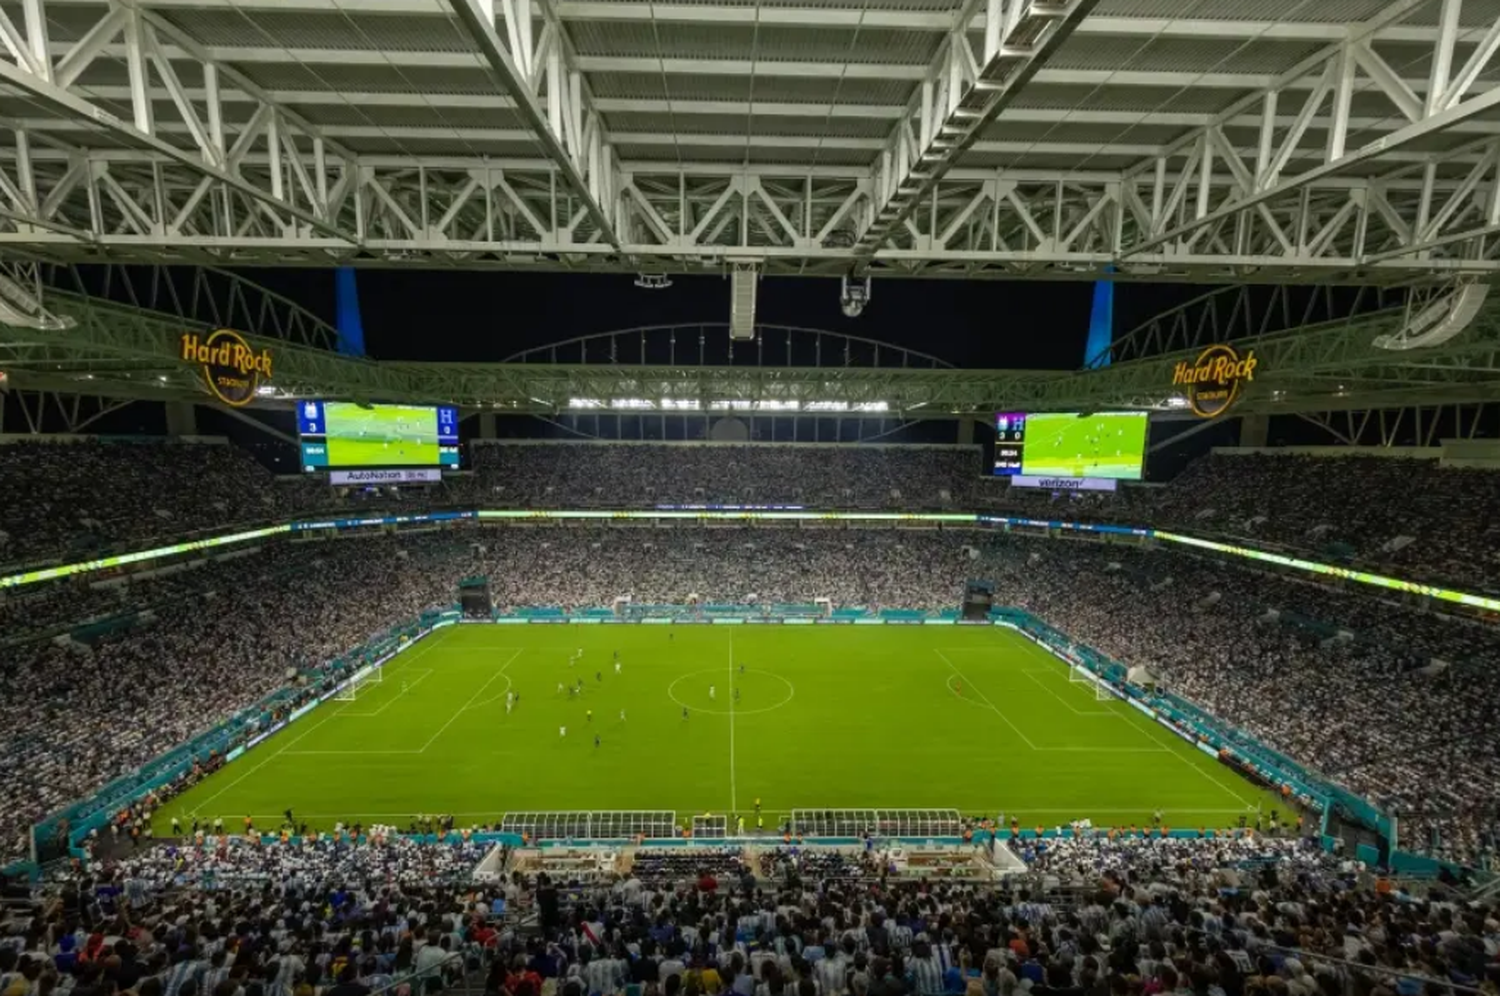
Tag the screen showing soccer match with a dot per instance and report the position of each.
(1102, 444)
(341, 434)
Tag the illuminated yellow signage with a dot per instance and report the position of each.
(1214, 380)
(231, 366)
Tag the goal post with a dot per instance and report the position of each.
(1102, 692)
(351, 690)
(1079, 675)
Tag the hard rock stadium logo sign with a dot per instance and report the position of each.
(231, 366)
(1215, 379)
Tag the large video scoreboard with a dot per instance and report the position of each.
(1106, 445)
(343, 435)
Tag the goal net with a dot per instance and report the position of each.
(1079, 675)
(351, 691)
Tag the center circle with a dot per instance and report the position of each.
(672, 694)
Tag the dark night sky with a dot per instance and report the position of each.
(473, 317)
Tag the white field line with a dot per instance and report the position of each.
(460, 711)
(1149, 731)
(733, 798)
(1024, 738)
(401, 660)
(392, 699)
(1076, 711)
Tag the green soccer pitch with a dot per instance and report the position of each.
(977, 719)
(1068, 445)
(393, 436)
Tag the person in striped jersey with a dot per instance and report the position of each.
(602, 974)
(833, 969)
(217, 972)
(185, 968)
(925, 969)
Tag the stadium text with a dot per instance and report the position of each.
(1214, 379)
(384, 476)
(1065, 483)
(231, 366)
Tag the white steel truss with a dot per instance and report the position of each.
(807, 140)
(961, 94)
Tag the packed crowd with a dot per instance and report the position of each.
(920, 570)
(235, 919)
(205, 644)
(1093, 916)
(1408, 516)
(1418, 519)
(87, 498)
(1402, 707)
(612, 475)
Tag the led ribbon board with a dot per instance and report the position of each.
(1295, 563)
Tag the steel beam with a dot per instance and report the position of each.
(962, 93)
(1328, 366)
(569, 129)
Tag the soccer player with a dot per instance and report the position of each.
(598, 676)
(176, 827)
(684, 712)
(622, 715)
(617, 667)
(588, 715)
(562, 731)
(596, 741)
(742, 669)
(711, 693)
(559, 688)
(736, 694)
(509, 705)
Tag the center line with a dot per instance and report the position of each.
(733, 799)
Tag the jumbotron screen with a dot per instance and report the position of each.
(1068, 444)
(339, 434)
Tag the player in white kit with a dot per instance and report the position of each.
(710, 693)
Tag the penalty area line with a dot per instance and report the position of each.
(461, 709)
(1024, 738)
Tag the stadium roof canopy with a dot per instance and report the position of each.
(1215, 140)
